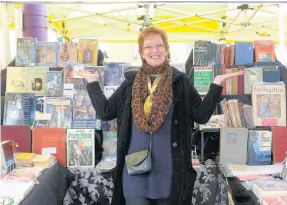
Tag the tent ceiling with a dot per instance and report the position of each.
(183, 22)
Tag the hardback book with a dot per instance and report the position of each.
(19, 134)
(228, 82)
(243, 53)
(26, 52)
(47, 54)
(88, 51)
(279, 143)
(60, 109)
(269, 104)
(271, 71)
(201, 53)
(252, 76)
(80, 148)
(84, 114)
(19, 109)
(203, 77)
(259, 147)
(50, 141)
(233, 140)
(264, 51)
(68, 52)
(27, 79)
(54, 86)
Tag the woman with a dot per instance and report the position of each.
(156, 104)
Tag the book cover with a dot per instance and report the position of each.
(54, 85)
(19, 134)
(269, 104)
(264, 51)
(88, 51)
(26, 52)
(259, 147)
(233, 140)
(80, 148)
(47, 54)
(84, 114)
(19, 109)
(203, 77)
(68, 52)
(60, 109)
(50, 141)
(36, 80)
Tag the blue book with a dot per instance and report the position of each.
(259, 147)
(244, 53)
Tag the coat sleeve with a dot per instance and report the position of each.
(202, 110)
(105, 108)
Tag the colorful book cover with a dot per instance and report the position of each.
(264, 51)
(88, 51)
(269, 104)
(84, 114)
(19, 109)
(259, 147)
(54, 85)
(80, 148)
(203, 77)
(60, 109)
(26, 52)
(68, 52)
(47, 54)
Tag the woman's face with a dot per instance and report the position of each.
(154, 50)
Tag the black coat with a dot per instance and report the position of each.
(188, 106)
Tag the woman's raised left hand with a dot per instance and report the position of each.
(219, 79)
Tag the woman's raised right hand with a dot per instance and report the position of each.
(90, 77)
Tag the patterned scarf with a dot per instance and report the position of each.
(151, 104)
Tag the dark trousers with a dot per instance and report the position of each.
(146, 201)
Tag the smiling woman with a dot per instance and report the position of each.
(155, 108)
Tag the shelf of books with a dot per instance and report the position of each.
(48, 116)
(253, 135)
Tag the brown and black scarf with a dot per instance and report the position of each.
(161, 98)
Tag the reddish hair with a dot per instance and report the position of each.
(149, 31)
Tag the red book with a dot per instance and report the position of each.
(50, 141)
(279, 143)
(20, 135)
(241, 82)
(264, 51)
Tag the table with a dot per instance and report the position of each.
(53, 185)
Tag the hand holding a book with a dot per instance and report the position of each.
(219, 79)
(90, 77)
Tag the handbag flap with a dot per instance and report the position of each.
(137, 157)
